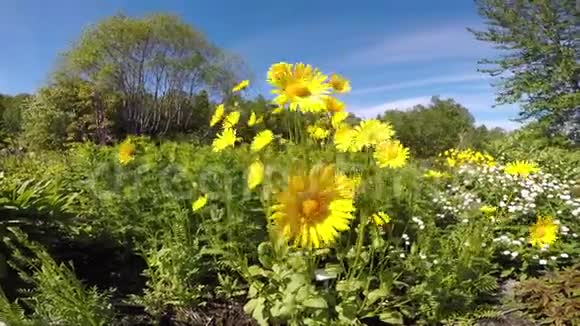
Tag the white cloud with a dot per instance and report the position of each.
(427, 44)
(450, 79)
(477, 104)
(401, 104)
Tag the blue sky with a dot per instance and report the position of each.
(396, 53)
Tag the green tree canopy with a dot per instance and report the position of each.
(11, 111)
(540, 66)
(149, 69)
(429, 130)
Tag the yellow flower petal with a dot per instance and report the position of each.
(242, 85)
(231, 119)
(126, 152)
(255, 174)
(339, 83)
(217, 115)
(337, 119)
(252, 120)
(227, 138)
(278, 110)
(262, 139)
(199, 203)
(333, 105)
(435, 174)
(381, 218)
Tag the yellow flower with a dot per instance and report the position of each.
(339, 83)
(317, 132)
(337, 119)
(227, 138)
(300, 87)
(199, 203)
(373, 132)
(381, 218)
(391, 154)
(231, 119)
(487, 210)
(260, 119)
(314, 208)
(333, 105)
(255, 174)
(435, 174)
(242, 85)
(261, 140)
(521, 168)
(345, 139)
(278, 73)
(252, 119)
(544, 232)
(217, 115)
(126, 152)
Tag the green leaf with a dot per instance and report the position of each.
(258, 313)
(333, 269)
(254, 289)
(315, 302)
(296, 282)
(347, 310)
(255, 270)
(302, 294)
(265, 254)
(251, 305)
(391, 317)
(377, 294)
(507, 272)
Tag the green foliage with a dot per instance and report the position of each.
(13, 313)
(456, 277)
(44, 124)
(11, 108)
(57, 297)
(554, 152)
(539, 67)
(282, 290)
(551, 299)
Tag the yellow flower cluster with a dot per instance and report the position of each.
(456, 158)
(376, 134)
